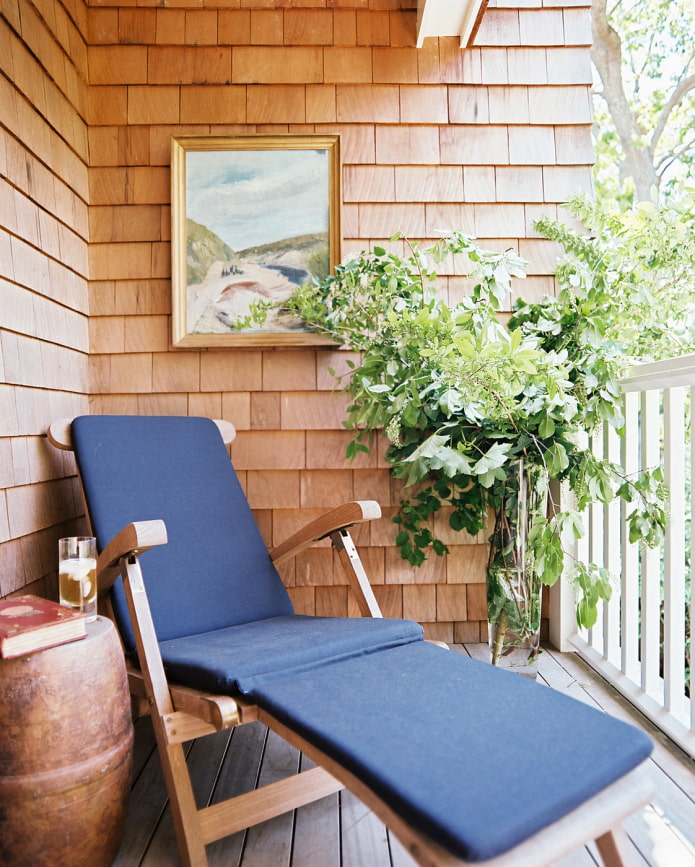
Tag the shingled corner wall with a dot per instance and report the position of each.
(44, 227)
(486, 139)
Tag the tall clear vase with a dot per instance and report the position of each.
(513, 586)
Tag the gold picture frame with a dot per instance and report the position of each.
(253, 216)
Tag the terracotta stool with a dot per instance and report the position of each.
(65, 752)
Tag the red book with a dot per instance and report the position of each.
(29, 623)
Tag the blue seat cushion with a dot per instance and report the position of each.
(476, 758)
(215, 571)
(238, 658)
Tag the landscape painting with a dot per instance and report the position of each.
(253, 217)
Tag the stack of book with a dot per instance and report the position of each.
(29, 623)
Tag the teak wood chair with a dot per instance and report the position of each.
(463, 762)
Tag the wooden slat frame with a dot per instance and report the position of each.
(195, 828)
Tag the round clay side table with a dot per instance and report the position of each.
(65, 753)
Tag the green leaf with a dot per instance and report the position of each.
(494, 457)
(451, 401)
(378, 388)
(556, 459)
(439, 547)
(354, 448)
(592, 584)
(546, 547)
(546, 428)
(587, 614)
(435, 454)
(571, 521)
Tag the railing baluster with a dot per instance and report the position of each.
(596, 549)
(692, 564)
(650, 608)
(611, 555)
(581, 546)
(629, 583)
(674, 550)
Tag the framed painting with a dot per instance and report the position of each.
(253, 217)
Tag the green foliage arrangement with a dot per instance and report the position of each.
(461, 396)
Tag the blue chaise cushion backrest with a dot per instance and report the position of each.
(215, 570)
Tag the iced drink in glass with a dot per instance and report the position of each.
(77, 574)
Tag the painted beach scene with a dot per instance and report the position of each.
(257, 226)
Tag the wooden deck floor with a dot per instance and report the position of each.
(339, 832)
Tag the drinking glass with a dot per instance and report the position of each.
(77, 574)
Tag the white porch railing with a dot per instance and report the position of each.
(643, 634)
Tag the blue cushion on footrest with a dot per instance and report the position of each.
(476, 758)
(237, 658)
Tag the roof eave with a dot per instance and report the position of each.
(449, 18)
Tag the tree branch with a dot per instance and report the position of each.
(606, 53)
(684, 87)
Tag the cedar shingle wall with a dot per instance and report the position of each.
(44, 335)
(487, 140)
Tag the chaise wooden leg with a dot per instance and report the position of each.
(183, 807)
(181, 799)
(615, 848)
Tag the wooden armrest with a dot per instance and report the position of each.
(346, 515)
(195, 713)
(133, 539)
(59, 434)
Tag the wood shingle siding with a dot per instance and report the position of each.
(486, 140)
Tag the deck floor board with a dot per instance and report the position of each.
(339, 831)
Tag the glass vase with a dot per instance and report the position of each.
(513, 585)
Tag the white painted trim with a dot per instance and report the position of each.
(661, 374)
(662, 718)
(447, 18)
(562, 624)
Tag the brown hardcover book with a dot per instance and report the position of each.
(29, 623)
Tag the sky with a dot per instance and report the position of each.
(252, 197)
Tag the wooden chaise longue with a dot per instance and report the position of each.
(463, 762)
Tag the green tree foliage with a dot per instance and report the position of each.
(635, 269)
(644, 55)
